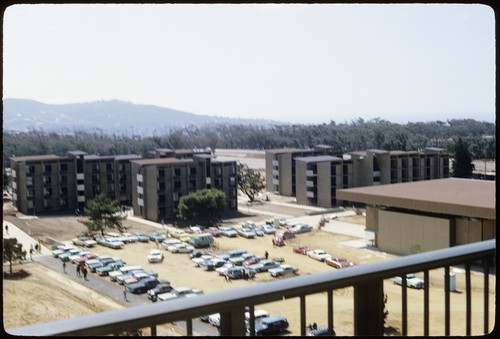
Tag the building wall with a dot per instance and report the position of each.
(324, 187)
(301, 183)
(285, 174)
(403, 234)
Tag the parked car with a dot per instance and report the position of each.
(141, 237)
(162, 287)
(253, 259)
(301, 228)
(258, 315)
(283, 270)
(228, 231)
(214, 319)
(240, 272)
(268, 229)
(196, 261)
(214, 231)
(104, 270)
(315, 330)
(212, 264)
(271, 325)
(156, 236)
(84, 241)
(142, 286)
(280, 237)
(169, 242)
(129, 237)
(195, 229)
(179, 234)
(281, 222)
(179, 292)
(411, 281)
(232, 254)
(181, 248)
(318, 254)
(264, 265)
(246, 232)
(155, 256)
(301, 249)
(338, 262)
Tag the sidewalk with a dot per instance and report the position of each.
(25, 240)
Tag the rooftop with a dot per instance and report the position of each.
(463, 197)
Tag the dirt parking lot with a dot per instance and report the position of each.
(23, 297)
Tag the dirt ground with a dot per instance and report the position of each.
(32, 299)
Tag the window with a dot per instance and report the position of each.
(48, 168)
(177, 172)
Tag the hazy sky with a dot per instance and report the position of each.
(293, 63)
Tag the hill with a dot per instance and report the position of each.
(111, 116)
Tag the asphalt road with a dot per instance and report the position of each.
(115, 291)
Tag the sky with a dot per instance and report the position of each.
(298, 63)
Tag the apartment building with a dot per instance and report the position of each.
(314, 175)
(159, 183)
(50, 183)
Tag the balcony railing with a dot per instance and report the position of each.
(367, 281)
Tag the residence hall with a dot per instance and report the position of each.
(159, 183)
(314, 175)
(422, 216)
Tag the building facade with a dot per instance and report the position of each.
(52, 183)
(414, 217)
(313, 176)
(159, 183)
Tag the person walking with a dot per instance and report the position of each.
(31, 254)
(266, 255)
(125, 294)
(64, 266)
(78, 270)
(84, 271)
(6, 229)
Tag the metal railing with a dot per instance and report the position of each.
(367, 281)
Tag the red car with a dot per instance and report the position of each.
(214, 231)
(301, 249)
(251, 260)
(338, 262)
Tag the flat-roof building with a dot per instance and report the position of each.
(426, 215)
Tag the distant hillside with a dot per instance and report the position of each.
(110, 116)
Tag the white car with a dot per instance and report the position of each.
(201, 259)
(179, 292)
(84, 241)
(246, 233)
(283, 270)
(170, 242)
(129, 237)
(181, 248)
(155, 256)
(319, 254)
(228, 231)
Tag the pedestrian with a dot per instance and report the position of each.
(125, 294)
(84, 271)
(31, 254)
(36, 247)
(6, 229)
(78, 270)
(266, 255)
(64, 266)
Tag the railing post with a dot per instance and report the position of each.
(232, 323)
(369, 308)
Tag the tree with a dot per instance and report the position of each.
(250, 182)
(12, 251)
(202, 206)
(462, 161)
(103, 214)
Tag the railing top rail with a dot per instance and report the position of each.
(175, 310)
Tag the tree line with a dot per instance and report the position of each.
(349, 136)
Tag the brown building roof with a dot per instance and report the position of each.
(160, 161)
(44, 157)
(462, 197)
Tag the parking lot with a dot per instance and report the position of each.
(342, 235)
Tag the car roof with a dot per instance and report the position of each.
(273, 318)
